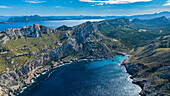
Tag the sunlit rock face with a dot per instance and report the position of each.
(78, 42)
(35, 30)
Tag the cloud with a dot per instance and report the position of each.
(58, 6)
(4, 7)
(167, 3)
(35, 1)
(114, 1)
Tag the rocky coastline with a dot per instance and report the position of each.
(40, 71)
(132, 70)
(27, 52)
(54, 65)
(81, 43)
(63, 63)
(145, 83)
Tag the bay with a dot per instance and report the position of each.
(85, 78)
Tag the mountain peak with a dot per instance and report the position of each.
(163, 18)
(159, 21)
(35, 30)
(164, 12)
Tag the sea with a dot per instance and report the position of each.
(80, 78)
(85, 78)
(51, 24)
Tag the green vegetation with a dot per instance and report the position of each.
(130, 34)
(156, 56)
(27, 45)
(147, 40)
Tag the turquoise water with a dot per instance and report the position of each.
(51, 24)
(85, 78)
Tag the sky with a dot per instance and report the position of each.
(82, 7)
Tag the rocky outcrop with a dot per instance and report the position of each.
(65, 36)
(148, 89)
(27, 31)
(17, 55)
(133, 69)
(82, 41)
(150, 67)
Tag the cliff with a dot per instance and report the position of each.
(29, 51)
(150, 67)
(32, 50)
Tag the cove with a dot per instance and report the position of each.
(85, 78)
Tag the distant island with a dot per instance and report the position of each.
(28, 19)
(3, 22)
(34, 18)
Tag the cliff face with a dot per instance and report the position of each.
(150, 67)
(29, 51)
(27, 31)
(46, 48)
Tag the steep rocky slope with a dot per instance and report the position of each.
(29, 51)
(150, 67)
(32, 50)
(27, 31)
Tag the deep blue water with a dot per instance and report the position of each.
(51, 24)
(85, 78)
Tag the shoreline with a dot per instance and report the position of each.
(43, 71)
(58, 65)
(143, 82)
(67, 63)
(61, 64)
(127, 60)
(48, 69)
(124, 63)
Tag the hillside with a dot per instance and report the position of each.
(157, 25)
(31, 50)
(150, 67)
(129, 33)
(160, 21)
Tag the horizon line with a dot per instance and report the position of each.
(87, 15)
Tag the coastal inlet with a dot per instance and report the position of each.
(85, 78)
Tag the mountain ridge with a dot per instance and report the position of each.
(26, 57)
(29, 51)
(153, 22)
(33, 18)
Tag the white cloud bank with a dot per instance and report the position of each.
(35, 1)
(4, 7)
(168, 3)
(115, 1)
